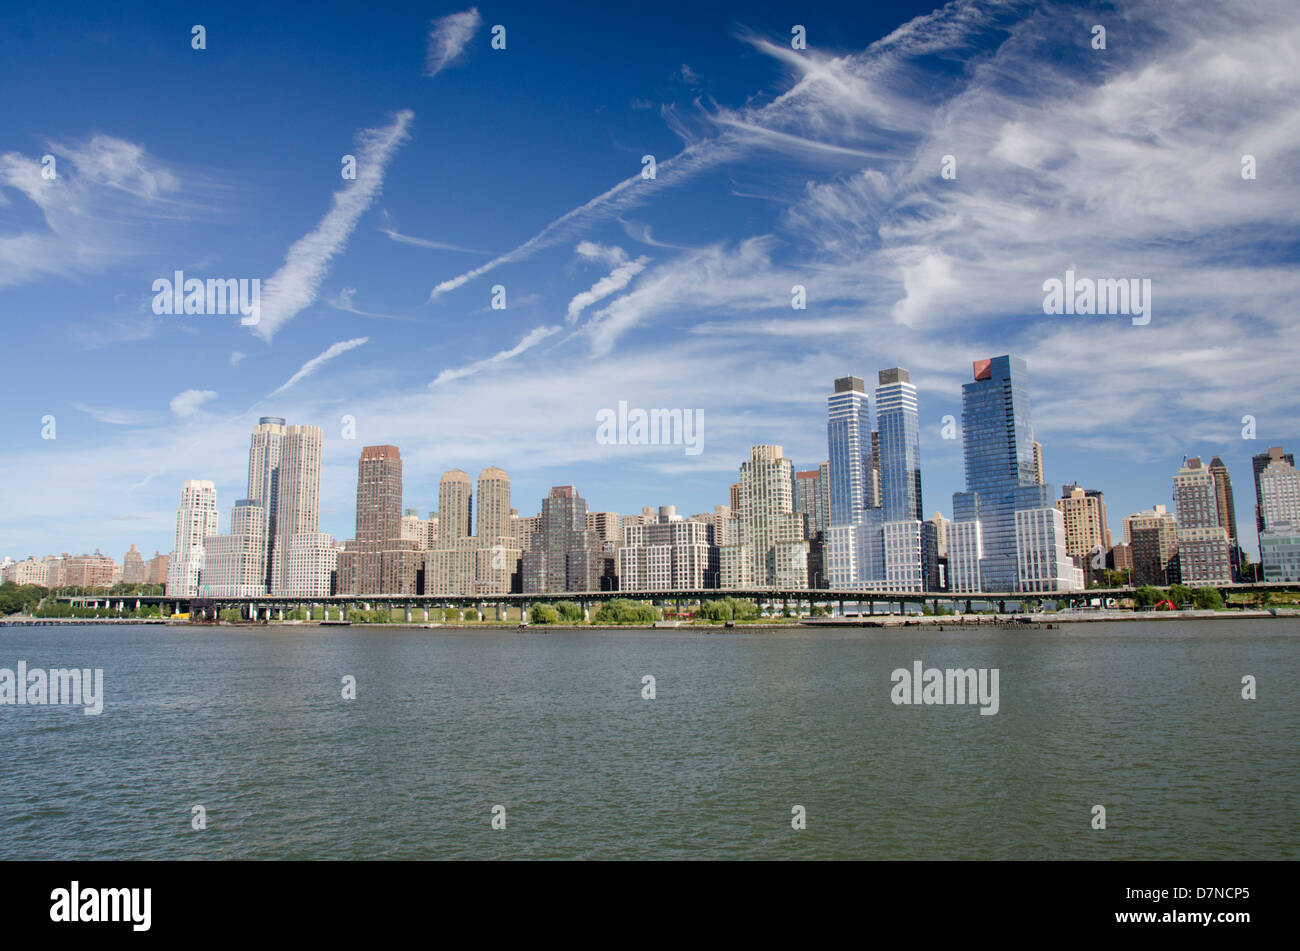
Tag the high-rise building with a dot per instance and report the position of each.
(563, 555)
(234, 564)
(1087, 539)
(313, 565)
(1279, 493)
(28, 571)
(93, 571)
(133, 567)
(486, 563)
(824, 497)
(1040, 474)
(493, 503)
(848, 438)
(157, 573)
(455, 507)
(965, 553)
(720, 524)
(882, 523)
(807, 500)
(998, 446)
(670, 554)
(1042, 561)
(1203, 557)
(497, 557)
(936, 562)
(1259, 463)
(196, 519)
(1279, 509)
(898, 446)
(605, 525)
(1227, 511)
(1152, 538)
(523, 527)
(416, 529)
(940, 534)
(1279, 552)
(264, 451)
(771, 549)
(379, 560)
(284, 464)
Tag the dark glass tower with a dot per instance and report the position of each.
(998, 446)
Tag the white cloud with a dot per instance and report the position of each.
(448, 37)
(112, 416)
(679, 168)
(609, 254)
(531, 339)
(612, 283)
(188, 402)
(315, 363)
(344, 303)
(235, 358)
(389, 229)
(295, 285)
(104, 205)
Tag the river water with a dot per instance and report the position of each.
(1145, 719)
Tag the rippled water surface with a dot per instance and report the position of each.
(1146, 719)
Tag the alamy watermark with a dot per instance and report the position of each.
(656, 427)
(37, 687)
(1104, 296)
(75, 903)
(950, 686)
(182, 295)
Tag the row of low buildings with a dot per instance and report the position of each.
(85, 571)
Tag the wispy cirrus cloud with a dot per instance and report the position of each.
(390, 229)
(316, 362)
(626, 193)
(97, 208)
(112, 415)
(530, 340)
(295, 285)
(344, 303)
(448, 37)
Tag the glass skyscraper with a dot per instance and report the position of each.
(900, 446)
(998, 445)
(848, 438)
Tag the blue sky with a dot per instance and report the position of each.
(522, 168)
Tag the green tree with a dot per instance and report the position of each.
(543, 614)
(1180, 594)
(623, 611)
(716, 610)
(1147, 595)
(569, 612)
(15, 598)
(1208, 599)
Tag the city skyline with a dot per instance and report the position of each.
(468, 499)
(666, 292)
(1010, 529)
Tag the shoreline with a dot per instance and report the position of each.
(1013, 621)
